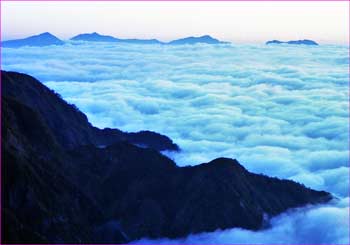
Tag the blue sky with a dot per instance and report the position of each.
(238, 22)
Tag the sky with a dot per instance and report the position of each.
(237, 22)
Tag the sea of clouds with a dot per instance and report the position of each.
(281, 110)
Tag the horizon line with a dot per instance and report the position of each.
(161, 40)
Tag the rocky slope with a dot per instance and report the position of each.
(60, 186)
(69, 126)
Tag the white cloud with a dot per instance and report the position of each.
(279, 110)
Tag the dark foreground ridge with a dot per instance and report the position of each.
(59, 186)
(69, 126)
(297, 42)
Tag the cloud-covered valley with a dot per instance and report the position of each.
(280, 110)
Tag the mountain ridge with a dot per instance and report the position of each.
(296, 42)
(40, 98)
(40, 40)
(96, 37)
(46, 38)
(193, 40)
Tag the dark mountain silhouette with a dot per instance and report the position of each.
(193, 40)
(95, 37)
(305, 42)
(60, 186)
(43, 39)
(70, 126)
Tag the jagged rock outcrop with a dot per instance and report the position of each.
(54, 192)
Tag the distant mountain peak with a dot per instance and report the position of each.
(94, 37)
(298, 42)
(46, 38)
(193, 40)
(39, 40)
(95, 34)
(45, 34)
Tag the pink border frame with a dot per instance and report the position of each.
(175, 1)
(164, 1)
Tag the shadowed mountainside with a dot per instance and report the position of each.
(70, 126)
(60, 186)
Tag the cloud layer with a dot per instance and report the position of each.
(279, 110)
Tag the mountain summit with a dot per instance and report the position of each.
(74, 128)
(193, 40)
(95, 37)
(43, 39)
(298, 42)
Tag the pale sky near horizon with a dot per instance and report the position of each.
(238, 22)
